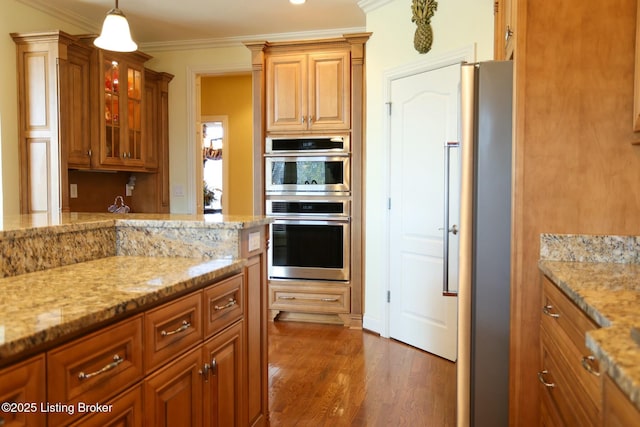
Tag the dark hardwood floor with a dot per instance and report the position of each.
(326, 375)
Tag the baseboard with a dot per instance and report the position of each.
(372, 324)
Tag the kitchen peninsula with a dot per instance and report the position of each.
(133, 311)
(590, 356)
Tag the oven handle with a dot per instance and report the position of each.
(312, 221)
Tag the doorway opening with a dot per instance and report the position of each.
(214, 170)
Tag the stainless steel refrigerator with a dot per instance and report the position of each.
(485, 244)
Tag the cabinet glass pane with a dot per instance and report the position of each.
(111, 71)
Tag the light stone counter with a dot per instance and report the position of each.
(601, 274)
(60, 275)
(36, 309)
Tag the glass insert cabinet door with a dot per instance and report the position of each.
(123, 133)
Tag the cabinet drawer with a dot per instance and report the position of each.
(94, 368)
(559, 311)
(125, 410)
(172, 328)
(568, 395)
(223, 304)
(311, 299)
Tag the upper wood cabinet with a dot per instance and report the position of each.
(81, 108)
(121, 110)
(504, 29)
(308, 91)
(75, 103)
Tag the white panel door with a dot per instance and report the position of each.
(424, 116)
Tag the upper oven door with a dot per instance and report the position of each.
(307, 145)
(312, 174)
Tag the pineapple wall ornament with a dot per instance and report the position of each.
(423, 11)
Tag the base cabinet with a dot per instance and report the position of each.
(569, 376)
(617, 409)
(173, 395)
(21, 384)
(149, 370)
(124, 411)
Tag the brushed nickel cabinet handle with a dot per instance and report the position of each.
(329, 299)
(286, 297)
(547, 310)
(205, 372)
(588, 365)
(508, 33)
(541, 375)
(116, 361)
(231, 303)
(185, 325)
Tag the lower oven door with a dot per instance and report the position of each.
(310, 249)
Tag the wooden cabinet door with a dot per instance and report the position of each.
(286, 92)
(504, 29)
(24, 383)
(223, 355)
(329, 90)
(309, 91)
(75, 114)
(173, 395)
(122, 111)
(123, 411)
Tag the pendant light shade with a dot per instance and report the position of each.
(115, 33)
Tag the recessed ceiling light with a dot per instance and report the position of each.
(297, 1)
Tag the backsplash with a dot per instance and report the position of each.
(590, 248)
(50, 247)
(177, 239)
(34, 248)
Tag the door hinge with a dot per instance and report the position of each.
(388, 296)
(388, 107)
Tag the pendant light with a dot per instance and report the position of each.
(115, 33)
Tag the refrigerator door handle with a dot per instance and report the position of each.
(447, 229)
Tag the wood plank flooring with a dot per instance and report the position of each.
(327, 375)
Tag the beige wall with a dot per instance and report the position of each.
(185, 65)
(231, 96)
(14, 18)
(457, 24)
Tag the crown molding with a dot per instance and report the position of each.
(64, 15)
(371, 5)
(239, 40)
(94, 28)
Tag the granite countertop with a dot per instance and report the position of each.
(18, 225)
(606, 286)
(45, 306)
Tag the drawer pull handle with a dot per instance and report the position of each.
(231, 303)
(329, 299)
(547, 310)
(185, 325)
(286, 297)
(116, 361)
(588, 365)
(541, 375)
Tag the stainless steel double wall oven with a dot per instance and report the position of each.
(308, 192)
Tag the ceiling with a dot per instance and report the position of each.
(158, 22)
